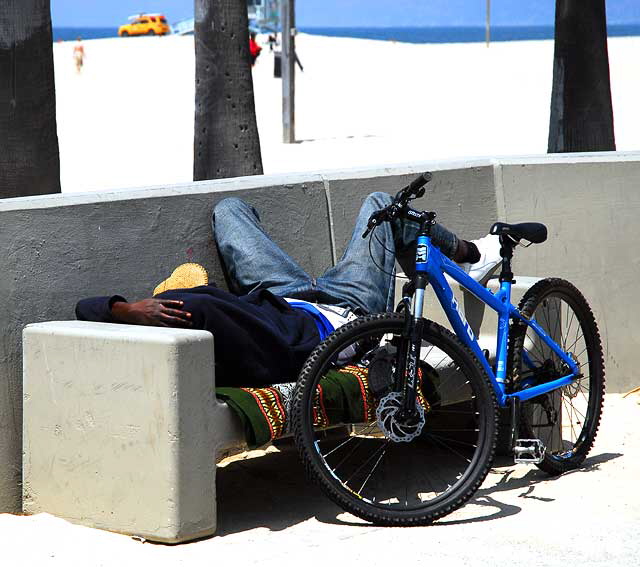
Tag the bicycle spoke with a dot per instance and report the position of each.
(568, 349)
(581, 352)
(383, 448)
(373, 469)
(538, 346)
(571, 420)
(458, 412)
(552, 354)
(558, 328)
(466, 383)
(359, 443)
(576, 410)
(438, 438)
(452, 430)
(564, 344)
(325, 455)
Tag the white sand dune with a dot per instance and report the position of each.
(127, 119)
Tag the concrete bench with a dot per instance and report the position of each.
(122, 429)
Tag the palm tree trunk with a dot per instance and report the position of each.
(226, 142)
(29, 157)
(581, 111)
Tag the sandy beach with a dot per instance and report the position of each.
(269, 515)
(127, 119)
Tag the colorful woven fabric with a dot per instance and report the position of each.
(342, 396)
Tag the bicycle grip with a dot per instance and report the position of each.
(420, 181)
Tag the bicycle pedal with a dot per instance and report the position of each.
(528, 451)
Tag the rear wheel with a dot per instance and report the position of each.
(151, 32)
(124, 34)
(567, 419)
(389, 470)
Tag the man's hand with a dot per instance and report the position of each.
(156, 312)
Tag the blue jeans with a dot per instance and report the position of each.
(363, 279)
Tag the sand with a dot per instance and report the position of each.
(127, 119)
(269, 515)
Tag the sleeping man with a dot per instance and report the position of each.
(276, 314)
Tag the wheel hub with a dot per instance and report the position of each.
(391, 422)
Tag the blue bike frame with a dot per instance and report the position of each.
(431, 262)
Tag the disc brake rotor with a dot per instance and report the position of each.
(394, 428)
(573, 389)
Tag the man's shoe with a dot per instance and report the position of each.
(489, 248)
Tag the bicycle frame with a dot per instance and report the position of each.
(434, 265)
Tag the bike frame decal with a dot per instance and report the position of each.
(435, 266)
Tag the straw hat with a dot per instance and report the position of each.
(183, 277)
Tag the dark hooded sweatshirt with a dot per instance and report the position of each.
(259, 340)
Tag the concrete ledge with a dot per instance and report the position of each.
(56, 249)
(121, 428)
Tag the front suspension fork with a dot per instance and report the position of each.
(406, 378)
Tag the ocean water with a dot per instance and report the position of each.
(68, 34)
(458, 34)
(406, 35)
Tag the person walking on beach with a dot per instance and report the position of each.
(254, 48)
(78, 54)
(276, 313)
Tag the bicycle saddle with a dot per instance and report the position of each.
(534, 232)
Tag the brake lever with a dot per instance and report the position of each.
(387, 214)
(374, 220)
(372, 224)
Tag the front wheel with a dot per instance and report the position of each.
(388, 469)
(566, 420)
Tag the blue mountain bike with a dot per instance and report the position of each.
(427, 436)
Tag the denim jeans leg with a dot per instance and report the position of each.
(405, 234)
(253, 261)
(365, 275)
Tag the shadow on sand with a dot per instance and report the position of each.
(272, 492)
(503, 466)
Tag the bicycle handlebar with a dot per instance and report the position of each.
(414, 190)
(415, 187)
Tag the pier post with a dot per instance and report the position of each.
(487, 33)
(288, 27)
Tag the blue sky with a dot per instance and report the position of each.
(354, 13)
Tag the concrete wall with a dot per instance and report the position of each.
(591, 206)
(57, 249)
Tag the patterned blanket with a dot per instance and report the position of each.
(343, 396)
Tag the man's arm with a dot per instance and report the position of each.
(115, 309)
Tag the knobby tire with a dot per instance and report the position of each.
(573, 436)
(472, 380)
